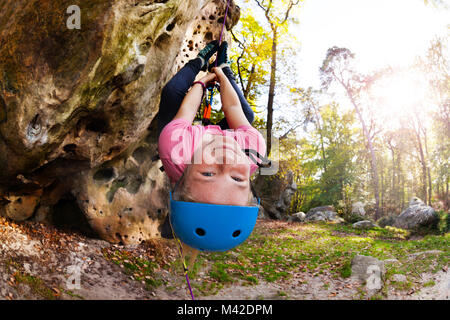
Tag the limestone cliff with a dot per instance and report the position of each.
(77, 105)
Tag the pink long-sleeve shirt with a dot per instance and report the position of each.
(179, 140)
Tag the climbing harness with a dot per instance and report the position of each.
(206, 120)
(205, 116)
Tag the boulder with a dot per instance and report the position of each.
(324, 213)
(276, 194)
(387, 220)
(20, 207)
(417, 215)
(297, 217)
(365, 224)
(358, 208)
(77, 105)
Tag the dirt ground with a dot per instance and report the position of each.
(41, 262)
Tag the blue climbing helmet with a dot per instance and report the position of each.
(212, 227)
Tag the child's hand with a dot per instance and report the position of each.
(218, 72)
(209, 79)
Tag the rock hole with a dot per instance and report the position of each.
(67, 215)
(134, 184)
(171, 26)
(163, 40)
(208, 36)
(115, 149)
(141, 154)
(97, 125)
(105, 175)
(70, 147)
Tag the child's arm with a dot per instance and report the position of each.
(231, 105)
(192, 100)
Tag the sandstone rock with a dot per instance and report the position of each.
(365, 224)
(415, 201)
(418, 214)
(358, 208)
(20, 207)
(297, 217)
(276, 193)
(388, 220)
(324, 213)
(77, 106)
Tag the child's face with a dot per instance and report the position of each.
(223, 175)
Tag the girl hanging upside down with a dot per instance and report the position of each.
(207, 164)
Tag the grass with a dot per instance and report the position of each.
(140, 269)
(278, 251)
(37, 285)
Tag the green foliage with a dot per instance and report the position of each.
(443, 225)
(324, 159)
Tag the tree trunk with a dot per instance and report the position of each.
(319, 128)
(273, 70)
(373, 159)
(424, 168)
(251, 76)
(430, 186)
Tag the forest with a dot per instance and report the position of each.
(380, 136)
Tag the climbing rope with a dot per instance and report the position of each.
(205, 121)
(224, 24)
(185, 268)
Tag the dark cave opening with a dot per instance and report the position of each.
(67, 215)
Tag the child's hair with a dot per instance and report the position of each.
(182, 192)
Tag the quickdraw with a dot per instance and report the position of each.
(206, 119)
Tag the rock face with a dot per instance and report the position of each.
(358, 209)
(276, 194)
(418, 214)
(77, 105)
